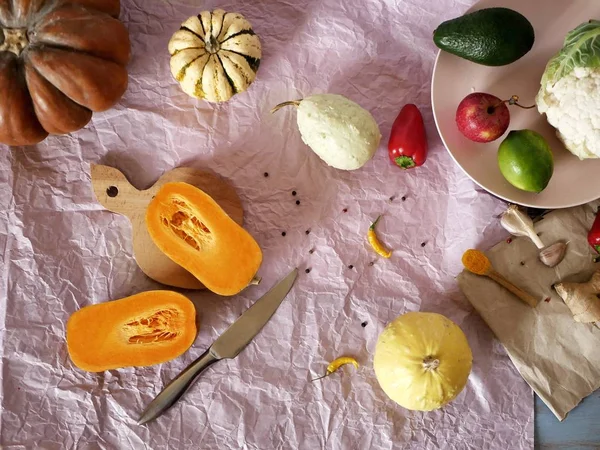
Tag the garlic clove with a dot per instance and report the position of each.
(552, 255)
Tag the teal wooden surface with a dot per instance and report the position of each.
(579, 431)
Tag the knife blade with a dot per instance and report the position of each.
(228, 345)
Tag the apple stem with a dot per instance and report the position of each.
(514, 100)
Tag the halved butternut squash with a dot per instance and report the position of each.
(188, 226)
(141, 330)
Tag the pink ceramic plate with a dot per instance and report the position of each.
(574, 181)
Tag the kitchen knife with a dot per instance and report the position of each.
(228, 345)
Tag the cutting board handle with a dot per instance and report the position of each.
(115, 193)
(113, 190)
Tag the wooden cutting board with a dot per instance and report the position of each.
(116, 194)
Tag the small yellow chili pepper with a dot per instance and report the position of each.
(374, 241)
(336, 364)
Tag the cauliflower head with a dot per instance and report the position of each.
(570, 91)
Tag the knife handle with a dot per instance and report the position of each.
(176, 388)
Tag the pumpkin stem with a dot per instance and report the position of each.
(430, 363)
(212, 45)
(255, 281)
(296, 103)
(15, 40)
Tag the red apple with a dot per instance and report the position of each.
(482, 117)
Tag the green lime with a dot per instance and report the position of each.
(525, 160)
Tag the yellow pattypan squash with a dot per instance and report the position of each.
(422, 360)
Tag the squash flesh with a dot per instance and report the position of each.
(141, 330)
(188, 226)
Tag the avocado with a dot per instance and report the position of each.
(491, 36)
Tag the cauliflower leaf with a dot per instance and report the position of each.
(581, 49)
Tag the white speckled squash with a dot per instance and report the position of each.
(338, 130)
(422, 360)
(215, 55)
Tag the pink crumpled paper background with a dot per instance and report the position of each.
(61, 250)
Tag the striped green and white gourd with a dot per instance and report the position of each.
(215, 55)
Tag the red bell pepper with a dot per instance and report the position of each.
(594, 235)
(407, 147)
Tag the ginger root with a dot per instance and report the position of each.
(583, 299)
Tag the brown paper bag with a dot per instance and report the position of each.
(558, 357)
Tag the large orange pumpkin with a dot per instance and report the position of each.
(60, 60)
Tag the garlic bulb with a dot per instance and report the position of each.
(519, 224)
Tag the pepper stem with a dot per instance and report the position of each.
(372, 227)
(295, 103)
(318, 378)
(404, 162)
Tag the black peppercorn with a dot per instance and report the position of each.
(266, 174)
(297, 202)
(307, 271)
(283, 233)
(293, 192)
